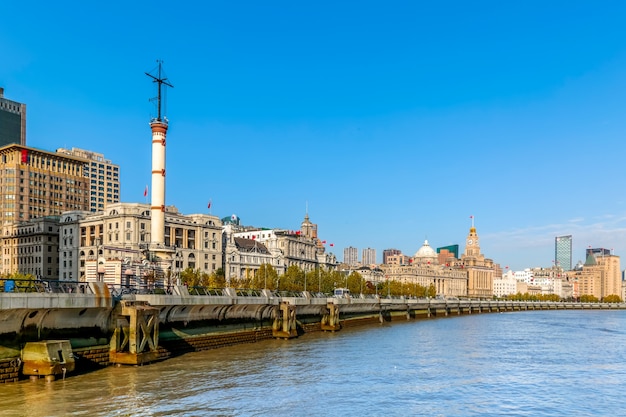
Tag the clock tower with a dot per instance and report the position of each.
(472, 245)
(480, 270)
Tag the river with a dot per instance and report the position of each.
(535, 363)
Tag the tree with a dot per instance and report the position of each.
(588, 298)
(190, 277)
(25, 282)
(217, 279)
(265, 277)
(612, 299)
(292, 280)
(355, 282)
(432, 291)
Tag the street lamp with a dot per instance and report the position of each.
(319, 280)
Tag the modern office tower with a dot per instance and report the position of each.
(12, 121)
(350, 256)
(104, 178)
(369, 256)
(36, 183)
(390, 252)
(563, 252)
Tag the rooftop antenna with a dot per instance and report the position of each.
(160, 81)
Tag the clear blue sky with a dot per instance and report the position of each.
(393, 121)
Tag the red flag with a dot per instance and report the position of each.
(332, 244)
(209, 205)
(145, 192)
(323, 242)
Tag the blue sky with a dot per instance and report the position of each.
(392, 121)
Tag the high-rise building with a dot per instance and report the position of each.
(369, 256)
(12, 121)
(390, 252)
(350, 256)
(563, 252)
(36, 183)
(103, 177)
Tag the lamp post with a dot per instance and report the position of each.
(388, 287)
(319, 280)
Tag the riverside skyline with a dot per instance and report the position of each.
(392, 124)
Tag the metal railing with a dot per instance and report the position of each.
(9, 285)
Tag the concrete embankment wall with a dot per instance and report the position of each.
(196, 323)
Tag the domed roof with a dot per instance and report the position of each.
(425, 251)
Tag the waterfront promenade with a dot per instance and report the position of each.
(116, 325)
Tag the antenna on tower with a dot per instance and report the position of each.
(160, 80)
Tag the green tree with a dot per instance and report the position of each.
(588, 298)
(432, 291)
(217, 279)
(190, 277)
(292, 279)
(23, 282)
(612, 299)
(355, 282)
(265, 277)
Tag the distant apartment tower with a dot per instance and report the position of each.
(369, 256)
(563, 252)
(390, 252)
(36, 183)
(103, 178)
(350, 256)
(12, 121)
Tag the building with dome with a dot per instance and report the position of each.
(425, 255)
(469, 276)
(424, 269)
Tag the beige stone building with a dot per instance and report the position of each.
(398, 259)
(276, 247)
(425, 270)
(32, 247)
(114, 246)
(600, 276)
(480, 270)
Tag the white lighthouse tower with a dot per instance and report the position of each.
(160, 255)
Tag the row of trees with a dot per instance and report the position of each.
(585, 298)
(295, 279)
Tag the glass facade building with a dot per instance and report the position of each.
(563, 252)
(12, 121)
